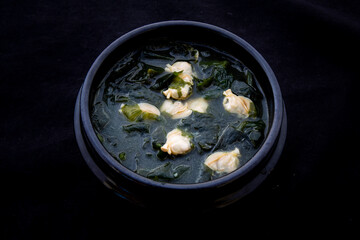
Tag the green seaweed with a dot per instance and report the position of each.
(164, 172)
(253, 130)
(122, 156)
(219, 76)
(137, 127)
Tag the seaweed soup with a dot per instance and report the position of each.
(135, 141)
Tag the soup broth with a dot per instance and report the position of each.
(180, 112)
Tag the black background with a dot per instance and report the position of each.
(46, 50)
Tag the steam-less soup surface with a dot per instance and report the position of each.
(180, 112)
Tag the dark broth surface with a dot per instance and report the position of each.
(140, 77)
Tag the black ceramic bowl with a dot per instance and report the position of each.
(149, 193)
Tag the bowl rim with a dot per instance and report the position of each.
(230, 177)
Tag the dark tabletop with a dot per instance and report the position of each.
(46, 50)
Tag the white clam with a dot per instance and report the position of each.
(198, 104)
(173, 93)
(186, 74)
(176, 109)
(223, 162)
(183, 67)
(176, 143)
(237, 104)
(146, 107)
